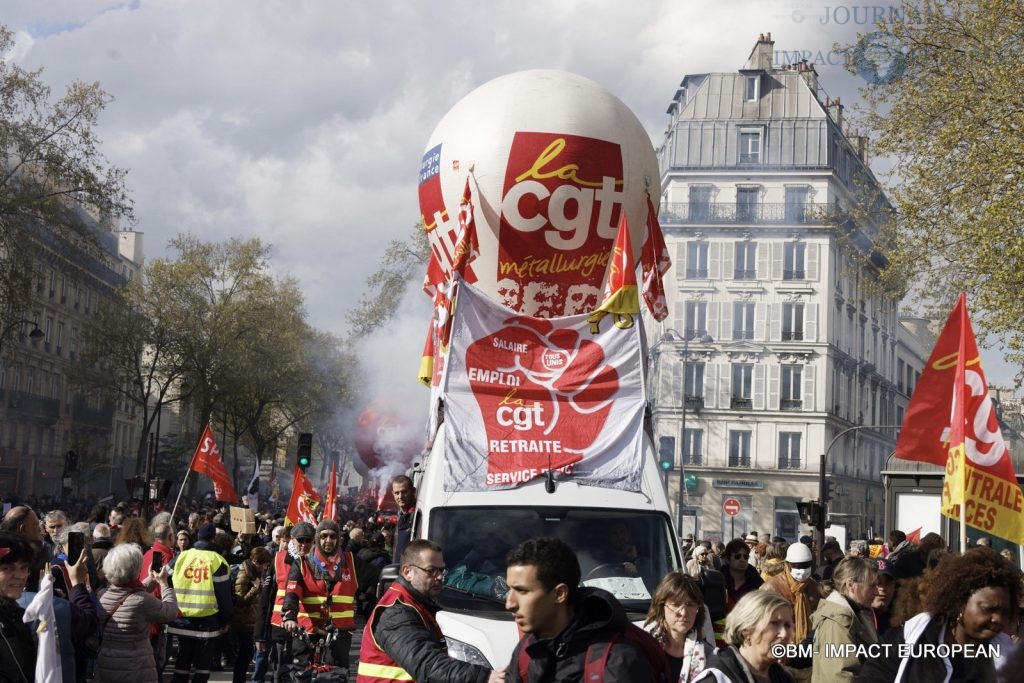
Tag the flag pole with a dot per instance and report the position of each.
(180, 491)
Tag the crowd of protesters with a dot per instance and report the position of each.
(152, 594)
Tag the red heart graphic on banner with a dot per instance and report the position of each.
(544, 395)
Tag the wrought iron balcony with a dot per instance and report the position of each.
(83, 413)
(740, 403)
(790, 404)
(694, 403)
(33, 407)
(763, 213)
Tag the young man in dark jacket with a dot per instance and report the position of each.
(561, 620)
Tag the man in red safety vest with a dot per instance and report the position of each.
(401, 640)
(320, 599)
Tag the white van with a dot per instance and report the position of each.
(625, 541)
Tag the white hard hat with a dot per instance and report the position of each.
(798, 552)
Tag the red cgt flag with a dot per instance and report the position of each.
(620, 291)
(304, 501)
(206, 460)
(951, 422)
(331, 496)
(654, 263)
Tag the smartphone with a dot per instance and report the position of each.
(158, 562)
(76, 543)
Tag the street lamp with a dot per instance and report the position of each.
(704, 339)
(823, 485)
(36, 333)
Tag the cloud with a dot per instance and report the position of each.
(303, 123)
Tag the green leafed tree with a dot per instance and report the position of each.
(51, 170)
(943, 102)
(403, 261)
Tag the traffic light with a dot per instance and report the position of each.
(828, 493)
(305, 451)
(666, 453)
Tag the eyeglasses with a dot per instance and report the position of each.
(740, 556)
(678, 610)
(432, 572)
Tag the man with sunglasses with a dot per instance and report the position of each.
(402, 640)
(320, 598)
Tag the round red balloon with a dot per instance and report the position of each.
(384, 437)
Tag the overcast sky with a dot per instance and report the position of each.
(303, 123)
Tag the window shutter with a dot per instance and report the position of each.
(715, 317)
(773, 386)
(679, 315)
(809, 388)
(812, 261)
(810, 322)
(775, 321)
(764, 261)
(759, 321)
(725, 331)
(759, 373)
(777, 250)
(720, 265)
(724, 384)
(680, 261)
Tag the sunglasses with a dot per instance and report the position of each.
(800, 565)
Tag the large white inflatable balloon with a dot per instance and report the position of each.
(552, 159)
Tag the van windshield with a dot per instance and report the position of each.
(623, 551)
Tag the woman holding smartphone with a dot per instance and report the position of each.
(127, 611)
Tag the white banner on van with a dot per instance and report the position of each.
(523, 395)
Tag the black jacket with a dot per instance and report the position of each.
(923, 629)
(18, 655)
(597, 616)
(400, 631)
(727, 663)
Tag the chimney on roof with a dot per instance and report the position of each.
(810, 75)
(762, 56)
(835, 110)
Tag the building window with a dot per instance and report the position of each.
(697, 260)
(900, 369)
(745, 263)
(746, 203)
(739, 448)
(792, 322)
(743, 320)
(693, 386)
(750, 88)
(696, 319)
(750, 146)
(700, 203)
(742, 385)
(693, 447)
(789, 450)
(796, 204)
(791, 396)
(793, 257)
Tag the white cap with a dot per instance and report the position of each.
(798, 552)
